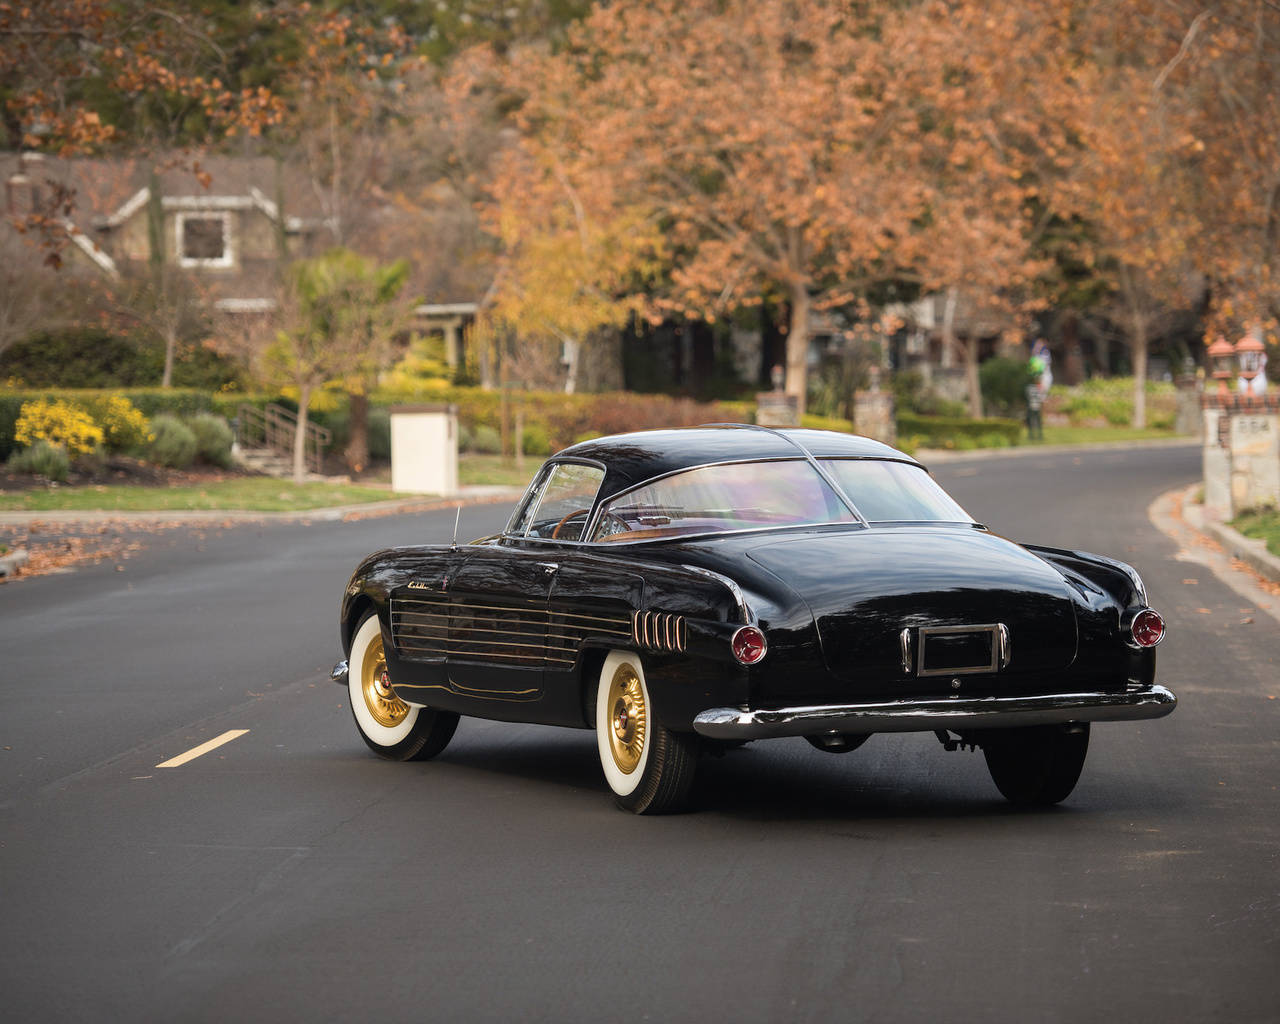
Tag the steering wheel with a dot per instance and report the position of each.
(555, 534)
(620, 523)
(619, 526)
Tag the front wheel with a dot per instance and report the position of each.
(1037, 764)
(649, 768)
(393, 729)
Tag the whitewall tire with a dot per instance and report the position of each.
(649, 768)
(392, 728)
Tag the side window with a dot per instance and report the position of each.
(560, 503)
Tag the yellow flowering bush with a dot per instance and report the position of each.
(124, 424)
(59, 423)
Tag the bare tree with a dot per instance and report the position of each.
(164, 301)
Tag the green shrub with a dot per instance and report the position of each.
(826, 423)
(1004, 384)
(175, 443)
(912, 395)
(486, 441)
(42, 459)
(91, 357)
(61, 423)
(213, 438)
(464, 439)
(534, 441)
(944, 432)
(126, 427)
(150, 402)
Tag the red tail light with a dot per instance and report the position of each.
(748, 645)
(1147, 628)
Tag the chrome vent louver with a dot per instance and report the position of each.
(660, 631)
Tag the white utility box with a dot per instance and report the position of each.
(424, 449)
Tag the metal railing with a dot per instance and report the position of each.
(274, 427)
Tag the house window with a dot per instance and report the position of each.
(204, 239)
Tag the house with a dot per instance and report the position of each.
(227, 220)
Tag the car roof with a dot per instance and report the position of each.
(631, 459)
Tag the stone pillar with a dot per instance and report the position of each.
(777, 409)
(1215, 461)
(1190, 416)
(874, 415)
(1255, 459)
(1241, 453)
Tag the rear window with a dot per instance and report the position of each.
(718, 499)
(894, 492)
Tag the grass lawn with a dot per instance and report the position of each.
(257, 494)
(253, 494)
(1094, 435)
(1261, 524)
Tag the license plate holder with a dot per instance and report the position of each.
(962, 650)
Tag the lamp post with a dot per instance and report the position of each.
(1221, 352)
(1249, 352)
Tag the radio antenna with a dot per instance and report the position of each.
(457, 516)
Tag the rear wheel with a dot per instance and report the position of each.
(393, 729)
(649, 768)
(1038, 764)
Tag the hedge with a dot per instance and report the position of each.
(151, 401)
(559, 418)
(946, 432)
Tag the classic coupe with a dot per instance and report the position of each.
(683, 591)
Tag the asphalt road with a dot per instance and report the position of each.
(289, 875)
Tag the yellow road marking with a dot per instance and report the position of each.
(204, 748)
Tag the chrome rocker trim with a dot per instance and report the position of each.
(339, 673)
(955, 713)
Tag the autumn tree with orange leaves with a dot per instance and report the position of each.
(1214, 87)
(815, 151)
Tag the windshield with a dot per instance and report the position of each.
(894, 492)
(718, 499)
(558, 503)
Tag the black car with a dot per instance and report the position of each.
(686, 590)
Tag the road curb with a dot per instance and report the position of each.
(1252, 553)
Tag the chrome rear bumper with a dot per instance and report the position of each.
(955, 713)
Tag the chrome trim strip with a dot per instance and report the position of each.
(926, 715)
(1006, 648)
(905, 638)
(734, 589)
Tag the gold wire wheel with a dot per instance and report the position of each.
(628, 719)
(386, 708)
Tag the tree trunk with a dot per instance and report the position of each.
(971, 378)
(572, 350)
(798, 346)
(1138, 344)
(300, 438)
(170, 343)
(357, 450)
